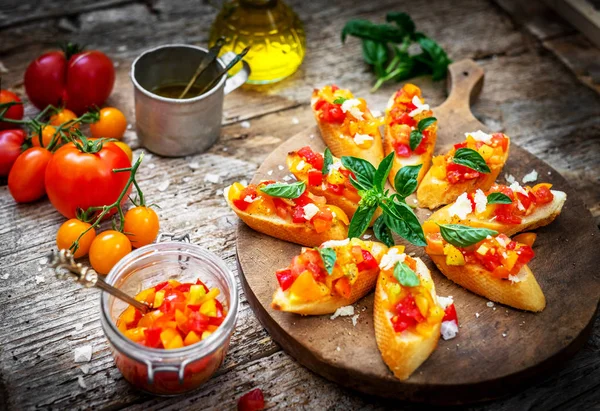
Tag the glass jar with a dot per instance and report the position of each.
(159, 371)
(271, 29)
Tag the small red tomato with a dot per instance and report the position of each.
(14, 113)
(10, 148)
(26, 178)
(252, 401)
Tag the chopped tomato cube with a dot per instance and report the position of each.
(343, 287)
(321, 225)
(312, 158)
(456, 173)
(298, 214)
(407, 314)
(450, 314)
(319, 104)
(184, 287)
(193, 307)
(153, 337)
(499, 140)
(402, 150)
(251, 401)
(543, 195)
(303, 200)
(285, 278)
(197, 322)
(332, 113)
(460, 145)
(334, 88)
(369, 262)
(315, 178)
(404, 118)
(335, 188)
(160, 286)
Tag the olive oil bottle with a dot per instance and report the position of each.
(273, 31)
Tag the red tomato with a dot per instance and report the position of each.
(298, 214)
(81, 180)
(315, 178)
(312, 158)
(332, 113)
(402, 150)
(252, 401)
(10, 148)
(343, 287)
(407, 314)
(85, 80)
(404, 118)
(335, 188)
(456, 173)
(153, 337)
(450, 314)
(27, 175)
(368, 262)
(285, 278)
(543, 195)
(14, 113)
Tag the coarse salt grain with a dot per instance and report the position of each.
(3, 68)
(163, 186)
(151, 166)
(280, 167)
(295, 120)
(81, 382)
(194, 166)
(489, 304)
(355, 319)
(39, 279)
(84, 368)
(449, 330)
(286, 178)
(83, 354)
(270, 172)
(477, 315)
(245, 124)
(366, 236)
(212, 178)
(78, 326)
(346, 311)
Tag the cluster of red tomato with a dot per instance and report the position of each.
(51, 155)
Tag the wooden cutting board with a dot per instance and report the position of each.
(499, 350)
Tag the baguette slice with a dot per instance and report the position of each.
(435, 190)
(541, 216)
(401, 103)
(337, 139)
(329, 303)
(402, 352)
(299, 233)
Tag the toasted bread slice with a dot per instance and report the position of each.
(329, 303)
(402, 352)
(335, 134)
(435, 190)
(542, 215)
(397, 132)
(524, 295)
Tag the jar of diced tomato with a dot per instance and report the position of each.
(175, 371)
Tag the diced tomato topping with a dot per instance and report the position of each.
(334, 88)
(319, 104)
(460, 145)
(402, 150)
(343, 287)
(402, 118)
(285, 278)
(174, 300)
(193, 307)
(524, 199)
(160, 286)
(499, 140)
(298, 214)
(456, 173)
(251, 401)
(332, 113)
(422, 147)
(317, 272)
(543, 195)
(335, 188)
(197, 322)
(312, 158)
(450, 314)
(281, 208)
(315, 178)
(303, 200)
(407, 314)
(185, 287)
(369, 262)
(505, 214)
(241, 203)
(153, 336)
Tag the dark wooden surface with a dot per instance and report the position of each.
(540, 89)
(498, 348)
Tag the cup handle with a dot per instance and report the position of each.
(238, 78)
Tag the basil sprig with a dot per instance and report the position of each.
(327, 161)
(498, 198)
(405, 275)
(339, 100)
(385, 47)
(416, 136)
(463, 236)
(284, 190)
(470, 158)
(396, 215)
(328, 256)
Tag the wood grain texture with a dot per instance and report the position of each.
(529, 93)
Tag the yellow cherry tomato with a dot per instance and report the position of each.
(107, 249)
(69, 231)
(141, 226)
(112, 124)
(47, 134)
(126, 149)
(62, 117)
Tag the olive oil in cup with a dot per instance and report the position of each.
(174, 90)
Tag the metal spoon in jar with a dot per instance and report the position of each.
(64, 266)
(206, 61)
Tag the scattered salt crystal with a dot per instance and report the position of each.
(122, 48)
(78, 326)
(286, 178)
(84, 368)
(194, 166)
(477, 315)
(449, 330)
(280, 167)
(530, 177)
(270, 172)
(245, 124)
(212, 178)
(39, 279)
(83, 354)
(129, 126)
(494, 308)
(225, 149)
(355, 319)
(489, 304)
(549, 172)
(4, 276)
(81, 382)
(338, 349)
(415, 200)
(366, 236)
(186, 179)
(3, 68)
(504, 335)
(412, 254)
(346, 311)
(295, 120)
(164, 185)
(151, 165)
(312, 136)
(244, 182)
(509, 178)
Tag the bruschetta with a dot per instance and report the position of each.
(447, 179)
(495, 268)
(306, 220)
(408, 317)
(518, 209)
(346, 124)
(337, 274)
(405, 110)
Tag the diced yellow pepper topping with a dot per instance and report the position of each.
(197, 292)
(486, 151)
(209, 308)
(159, 297)
(453, 255)
(206, 334)
(191, 338)
(176, 342)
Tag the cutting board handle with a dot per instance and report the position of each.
(465, 81)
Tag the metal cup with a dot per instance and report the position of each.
(179, 127)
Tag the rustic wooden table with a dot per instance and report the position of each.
(541, 89)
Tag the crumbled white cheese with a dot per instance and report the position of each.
(350, 106)
(249, 199)
(300, 166)
(83, 354)
(376, 113)
(194, 166)
(489, 237)
(335, 243)
(355, 319)
(509, 178)
(521, 275)
(489, 304)
(530, 177)
(312, 136)
(84, 368)
(163, 186)
(81, 382)
(389, 260)
(280, 167)
(3, 68)
(336, 165)
(445, 302)
(500, 239)
(361, 138)
(516, 187)
(39, 279)
(347, 311)
(212, 178)
(480, 136)
(449, 330)
(245, 124)
(480, 201)
(461, 207)
(366, 236)
(420, 107)
(295, 120)
(310, 210)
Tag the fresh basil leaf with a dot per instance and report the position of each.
(437, 56)
(426, 122)
(375, 53)
(401, 219)
(284, 190)
(498, 198)
(405, 181)
(361, 220)
(415, 139)
(362, 169)
(470, 158)
(327, 161)
(371, 31)
(339, 100)
(463, 236)
(383, 171)
(358, 185)
(403, 21)
(405, 275)
(328, 256)
(382, 231)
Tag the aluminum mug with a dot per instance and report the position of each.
(179, 127)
